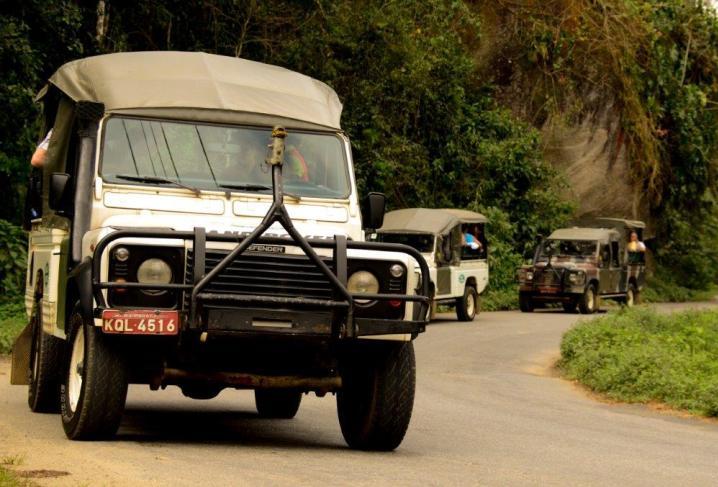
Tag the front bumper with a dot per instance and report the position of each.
(222, 312)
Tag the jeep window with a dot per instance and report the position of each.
(214, 157)
(615, 255)
(423, 242)
(567, 250)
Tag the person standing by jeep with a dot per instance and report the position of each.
(634, 244)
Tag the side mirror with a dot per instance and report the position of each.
(59, 183)
(373, 210)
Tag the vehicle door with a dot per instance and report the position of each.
(49, 236)
(444, 255)
(616, 271)
(604, 269)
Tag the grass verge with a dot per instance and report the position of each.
(638, 355)
(659, 290)
(12, 321)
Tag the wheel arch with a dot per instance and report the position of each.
(79, 288)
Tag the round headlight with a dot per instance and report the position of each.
(154, 271)
(577, 277)
(122, 254)
(363, 282)
(529, 276)
(397, 270)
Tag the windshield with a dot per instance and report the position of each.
(220, 158)
(422, 242)
(567, 250)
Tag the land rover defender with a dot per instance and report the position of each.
(199, 226)
(579, 266)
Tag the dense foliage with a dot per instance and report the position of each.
(656, 64)
(426, 128)
(639, 355)
(442, 98)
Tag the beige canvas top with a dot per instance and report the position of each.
(428, 220)
(197, 85)
(577, 233)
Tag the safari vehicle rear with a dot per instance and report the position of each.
(200, 227)
(454, 244)
(579, 266)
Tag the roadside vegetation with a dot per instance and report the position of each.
(641, 356)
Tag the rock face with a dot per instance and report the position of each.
(592, 156)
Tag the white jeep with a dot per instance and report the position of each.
(453, 243)
(200, 227)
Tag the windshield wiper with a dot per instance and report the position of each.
(246, 187)
(157, 180)
(256, 187)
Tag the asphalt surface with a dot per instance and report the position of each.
(488, 411)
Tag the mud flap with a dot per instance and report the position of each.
(21, 357)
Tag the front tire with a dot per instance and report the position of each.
(277, 403)
(570, 306)
(588, 304)
(377, 396)
(526, 304)
(467, 306)
(94, 386)
(43, 393)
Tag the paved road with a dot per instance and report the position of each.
(487, 411)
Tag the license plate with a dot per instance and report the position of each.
(140, 322)
(548, 290)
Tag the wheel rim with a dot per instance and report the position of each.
(470, 305)
(77, 359)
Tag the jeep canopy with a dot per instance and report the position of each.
(428, 220)
(601, 235)
(199, 86)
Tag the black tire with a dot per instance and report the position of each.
(570, 306)
(200, 391)
(277, 403)
(43, 392)
(377, 396)
(526, 304)
(467, 306)
(588, 303)
(100, 401)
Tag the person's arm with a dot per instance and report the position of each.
(40, 155)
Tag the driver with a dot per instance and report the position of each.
(295, 165)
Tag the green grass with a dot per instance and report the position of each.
(12, 321)
(658, 290)
(638, 355)
(8, 477)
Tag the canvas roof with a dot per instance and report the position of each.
(580, 233)
(428, 220)
(197, 85)
(606, 222)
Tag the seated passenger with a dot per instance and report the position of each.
(470, 240)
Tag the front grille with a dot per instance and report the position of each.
(265, 275)
(548, 277)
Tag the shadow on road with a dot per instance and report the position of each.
(217, 427)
